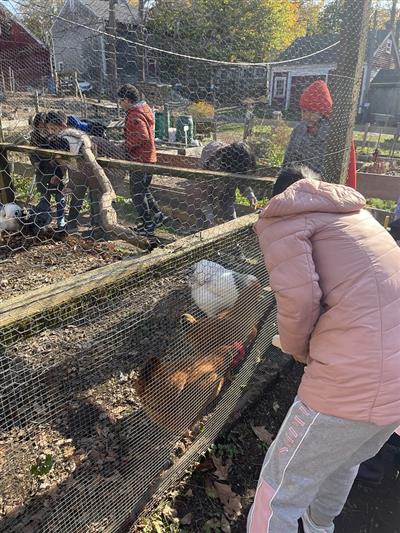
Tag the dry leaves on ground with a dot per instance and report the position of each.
(229, 499)
(217, 524)
(263, 434)
(186, 520)
(221, 469)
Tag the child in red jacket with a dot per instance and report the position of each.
(140, 146)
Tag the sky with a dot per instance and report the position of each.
(9, 5)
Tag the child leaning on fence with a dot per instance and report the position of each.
(49, 174)
(336, 275)
(82, 178)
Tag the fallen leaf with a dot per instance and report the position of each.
(210, 489)
(42, 466)
(263, 434)
(158, 526)
(212, 526)
(68, 451)
(189, 493)
(168, 512)
(187, 519)
(276, 406)
(225, 525)
(221, 469)
(205, 465)
(229, 499)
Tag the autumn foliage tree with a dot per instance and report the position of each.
(227, 30)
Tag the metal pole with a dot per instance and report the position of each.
(141, 36)
(1, 125)
(393, 15)
(36, 99)
(346, 83)
(112, 47)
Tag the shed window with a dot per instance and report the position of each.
(279, 87)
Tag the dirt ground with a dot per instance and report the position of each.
(197, 507)
(30, 264)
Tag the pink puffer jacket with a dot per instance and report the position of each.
(336, 274)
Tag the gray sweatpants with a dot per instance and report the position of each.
(311, 466)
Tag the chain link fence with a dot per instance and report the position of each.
(134, 303)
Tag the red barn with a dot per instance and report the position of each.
(23, 57)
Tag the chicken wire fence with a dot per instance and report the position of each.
(99, 400)
(118, 367)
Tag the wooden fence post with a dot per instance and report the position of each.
(346, 84)
(36, 100)
(2, 138)
(365, 136)
(7, 193)
(10, 79)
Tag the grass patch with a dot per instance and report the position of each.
(378, 203)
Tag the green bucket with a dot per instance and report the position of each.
(159, 118)
(183, 136)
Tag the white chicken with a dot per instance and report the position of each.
(10, 218)
(215, 288)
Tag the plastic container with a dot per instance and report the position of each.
(184, 129)
(172, 135)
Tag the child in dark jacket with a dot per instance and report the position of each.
(49, 174)
(308, 141)
(216, 199)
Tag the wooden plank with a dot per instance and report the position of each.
(380, 214)
(189, 173)
(382, 186)
(45, 299)
(7, 193)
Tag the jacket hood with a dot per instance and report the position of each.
(310, 196)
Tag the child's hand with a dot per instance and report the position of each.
(55, 180)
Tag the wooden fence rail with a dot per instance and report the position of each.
(164, 170)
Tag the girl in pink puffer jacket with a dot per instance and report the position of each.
(336, 275)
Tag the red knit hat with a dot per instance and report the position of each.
(316, 97)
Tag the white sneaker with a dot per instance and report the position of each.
(310, 527)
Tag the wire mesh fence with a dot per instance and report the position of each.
(129, 128)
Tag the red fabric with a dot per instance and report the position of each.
(352, 170)
(316, 97)
(241, 353)
(139, 134)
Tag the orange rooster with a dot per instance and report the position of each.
(174, 393)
